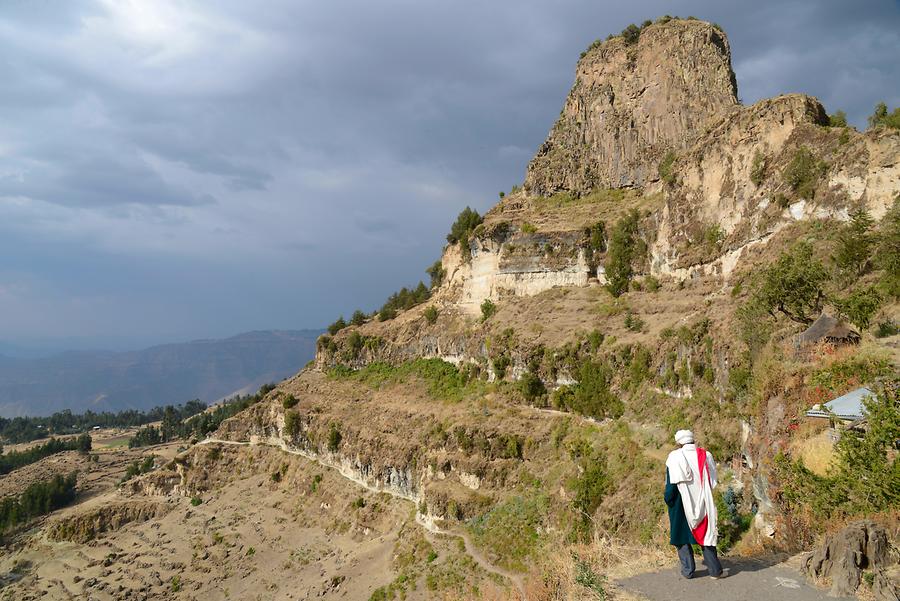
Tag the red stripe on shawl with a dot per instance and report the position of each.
(700, 531)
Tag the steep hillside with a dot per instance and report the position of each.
(166, 374)
(511, 424)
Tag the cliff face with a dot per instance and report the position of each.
(631, 103)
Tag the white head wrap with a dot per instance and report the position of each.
(684, 437)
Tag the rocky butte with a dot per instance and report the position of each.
(506, 429)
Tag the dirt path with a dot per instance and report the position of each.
(749, 580)
(473, 552)
(478, 557)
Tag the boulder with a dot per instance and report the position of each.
(843, 556)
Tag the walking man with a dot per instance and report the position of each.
(690, 480)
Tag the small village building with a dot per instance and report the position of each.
(847, 409)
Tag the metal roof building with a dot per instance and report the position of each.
(848, 407)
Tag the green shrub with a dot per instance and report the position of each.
(758, 169)
(403, 300)
(291, 423)
(431, 314)
(465, 223)
(586, 577)
(337, 326)
(882, 118)
(510, 532)
(437, 273)
(488, 309)
(838, 119)
(590, 486)
(595, 339)
(887, 254)
(596, 235)
(358, 318)
(334, 438)
(176, 583)
(592, 396)
(803, 173)
(531, 386)
(859, 306)
(196, 501)
(289, 401)
(633, 323)
(624, 250)
(855, 243)
(651, 284)
(631, 34)
(528, 228)
(500, 364)
(667, 168)
(886, 328)
(713, 235)
(793, 285)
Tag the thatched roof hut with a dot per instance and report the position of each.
(828, 329)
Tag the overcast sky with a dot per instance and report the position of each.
(181, 170)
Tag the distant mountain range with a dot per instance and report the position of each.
(159, 375)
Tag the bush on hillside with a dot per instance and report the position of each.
(804, 172)
(859, 306)
(488, 308)
(758, 169)
(839, 119)
(465, 224)
(431, 314)
(855, 244)
(667, 168)
(291, 423)
(624, 249)
(38, 499)
(531, 386)
(887, 254)
(334, 438)
(882, 118)
(403, 300)
(793, 286)
(631, 34)
(436, 272)
(337, 326)
(358, 318)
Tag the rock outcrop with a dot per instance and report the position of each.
(631, 103)
(844, 556)
(83, 527)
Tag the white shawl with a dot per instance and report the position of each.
(696, 492)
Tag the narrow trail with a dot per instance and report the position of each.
(430, 529)
(749, 580)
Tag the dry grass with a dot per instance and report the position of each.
(562, 577)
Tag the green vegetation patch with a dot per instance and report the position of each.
(38, 499)
(510, 532)
(865, 474)
(16, 459)
(804, 172)
(445, 381)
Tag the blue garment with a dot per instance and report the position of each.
(679, 531)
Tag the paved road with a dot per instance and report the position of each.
(750, 580)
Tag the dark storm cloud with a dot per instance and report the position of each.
(312, 153)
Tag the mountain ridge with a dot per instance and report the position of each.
(172, 373)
